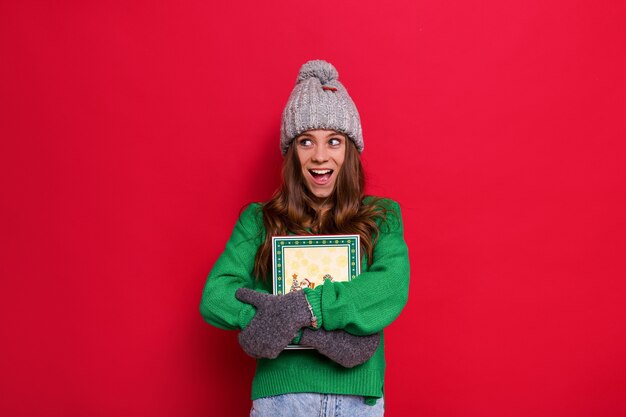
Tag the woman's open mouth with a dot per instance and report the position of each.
(321, 176)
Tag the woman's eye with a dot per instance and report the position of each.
(305, 142)
(334, 142)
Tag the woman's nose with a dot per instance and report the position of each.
(320, 154)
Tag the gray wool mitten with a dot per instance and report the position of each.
(276, 322)
(340, 346)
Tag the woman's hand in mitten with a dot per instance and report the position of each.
(342, 347)
(277, 321)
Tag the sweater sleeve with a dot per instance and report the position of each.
(374, 299)
(233, 270)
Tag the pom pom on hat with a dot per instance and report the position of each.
(322, 70)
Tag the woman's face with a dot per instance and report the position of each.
(321, 154)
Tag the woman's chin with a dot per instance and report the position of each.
(324, 193)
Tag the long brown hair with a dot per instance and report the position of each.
(293, 209)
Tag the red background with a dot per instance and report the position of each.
(133, 133)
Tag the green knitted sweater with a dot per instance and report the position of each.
(363, 306)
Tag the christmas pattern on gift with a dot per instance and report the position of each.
(306, 261)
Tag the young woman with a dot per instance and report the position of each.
(322, 193)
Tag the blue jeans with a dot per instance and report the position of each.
(316, 405)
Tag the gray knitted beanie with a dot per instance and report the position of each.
(319, 101)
